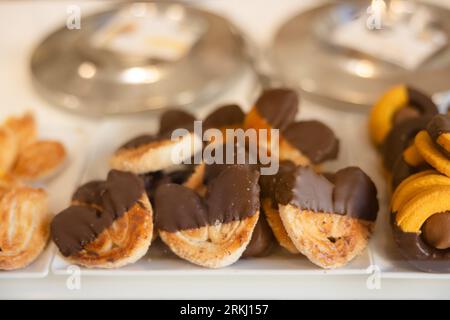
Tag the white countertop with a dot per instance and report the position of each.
(22, 25)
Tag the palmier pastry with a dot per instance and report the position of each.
(433, 153)
(211, 231)
(148, 153)
(108, 225)
(39, 160)
(261, 242)
(330, 217)
(8, 150)
(24, 226)
(421, 221)
(274, 109)
(269, 204)
(308, 142)
(395, 106)
(24, 128)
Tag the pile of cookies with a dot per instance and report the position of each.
(24, 213)
(213, 214)
(415, 142)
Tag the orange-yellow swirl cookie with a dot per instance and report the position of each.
(396, 105)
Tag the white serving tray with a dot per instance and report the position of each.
(355, 150)
(59, 188)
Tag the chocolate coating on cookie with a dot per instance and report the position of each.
(175, 119)
(278, 107)
(99, 204)
(418, 253)
(170, 120)
(262, 240)
(436, 230)
(421, 102)
(403, 170)
(313, 139)
(437, 126)
(228, 116)
(405, 113)
(233, 195)
(269, 183)
(399, 138)
(348, 192)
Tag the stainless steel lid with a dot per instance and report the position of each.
(72, 70)
(304, 57)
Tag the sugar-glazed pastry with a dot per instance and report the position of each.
(395, 106)
(211, 231)
(24, 226)
(421, 220)
(24, 128)
(8, 150)
(39, 160)
(148, 153)
(329, 217)
(308, 143)
(108, 225)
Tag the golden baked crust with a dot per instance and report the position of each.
(275, 223)
(24, 128)
(39, 160)
(212, 246)
(157, 155)
(24, 226)
(326, 239)
(8, 150)
(288, 152)
(124, 242)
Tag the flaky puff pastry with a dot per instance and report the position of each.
(8, 150)
(275, 223)
(328, 240)
(214, 246)
(24, 226)
(24, 128)
(39, 160)
(124, 242)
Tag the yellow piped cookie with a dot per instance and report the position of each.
(430, 153)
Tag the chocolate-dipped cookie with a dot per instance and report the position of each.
(225, 117)
(269, 203)
(108, 225)
(395, 106)
(261, 242)
(308, 142)
(421, 221)
(211, 231)
(275, 108)
(399, 139)
(154, 152)
(329, 217)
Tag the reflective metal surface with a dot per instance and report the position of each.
(346, 78)
(70, 72)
